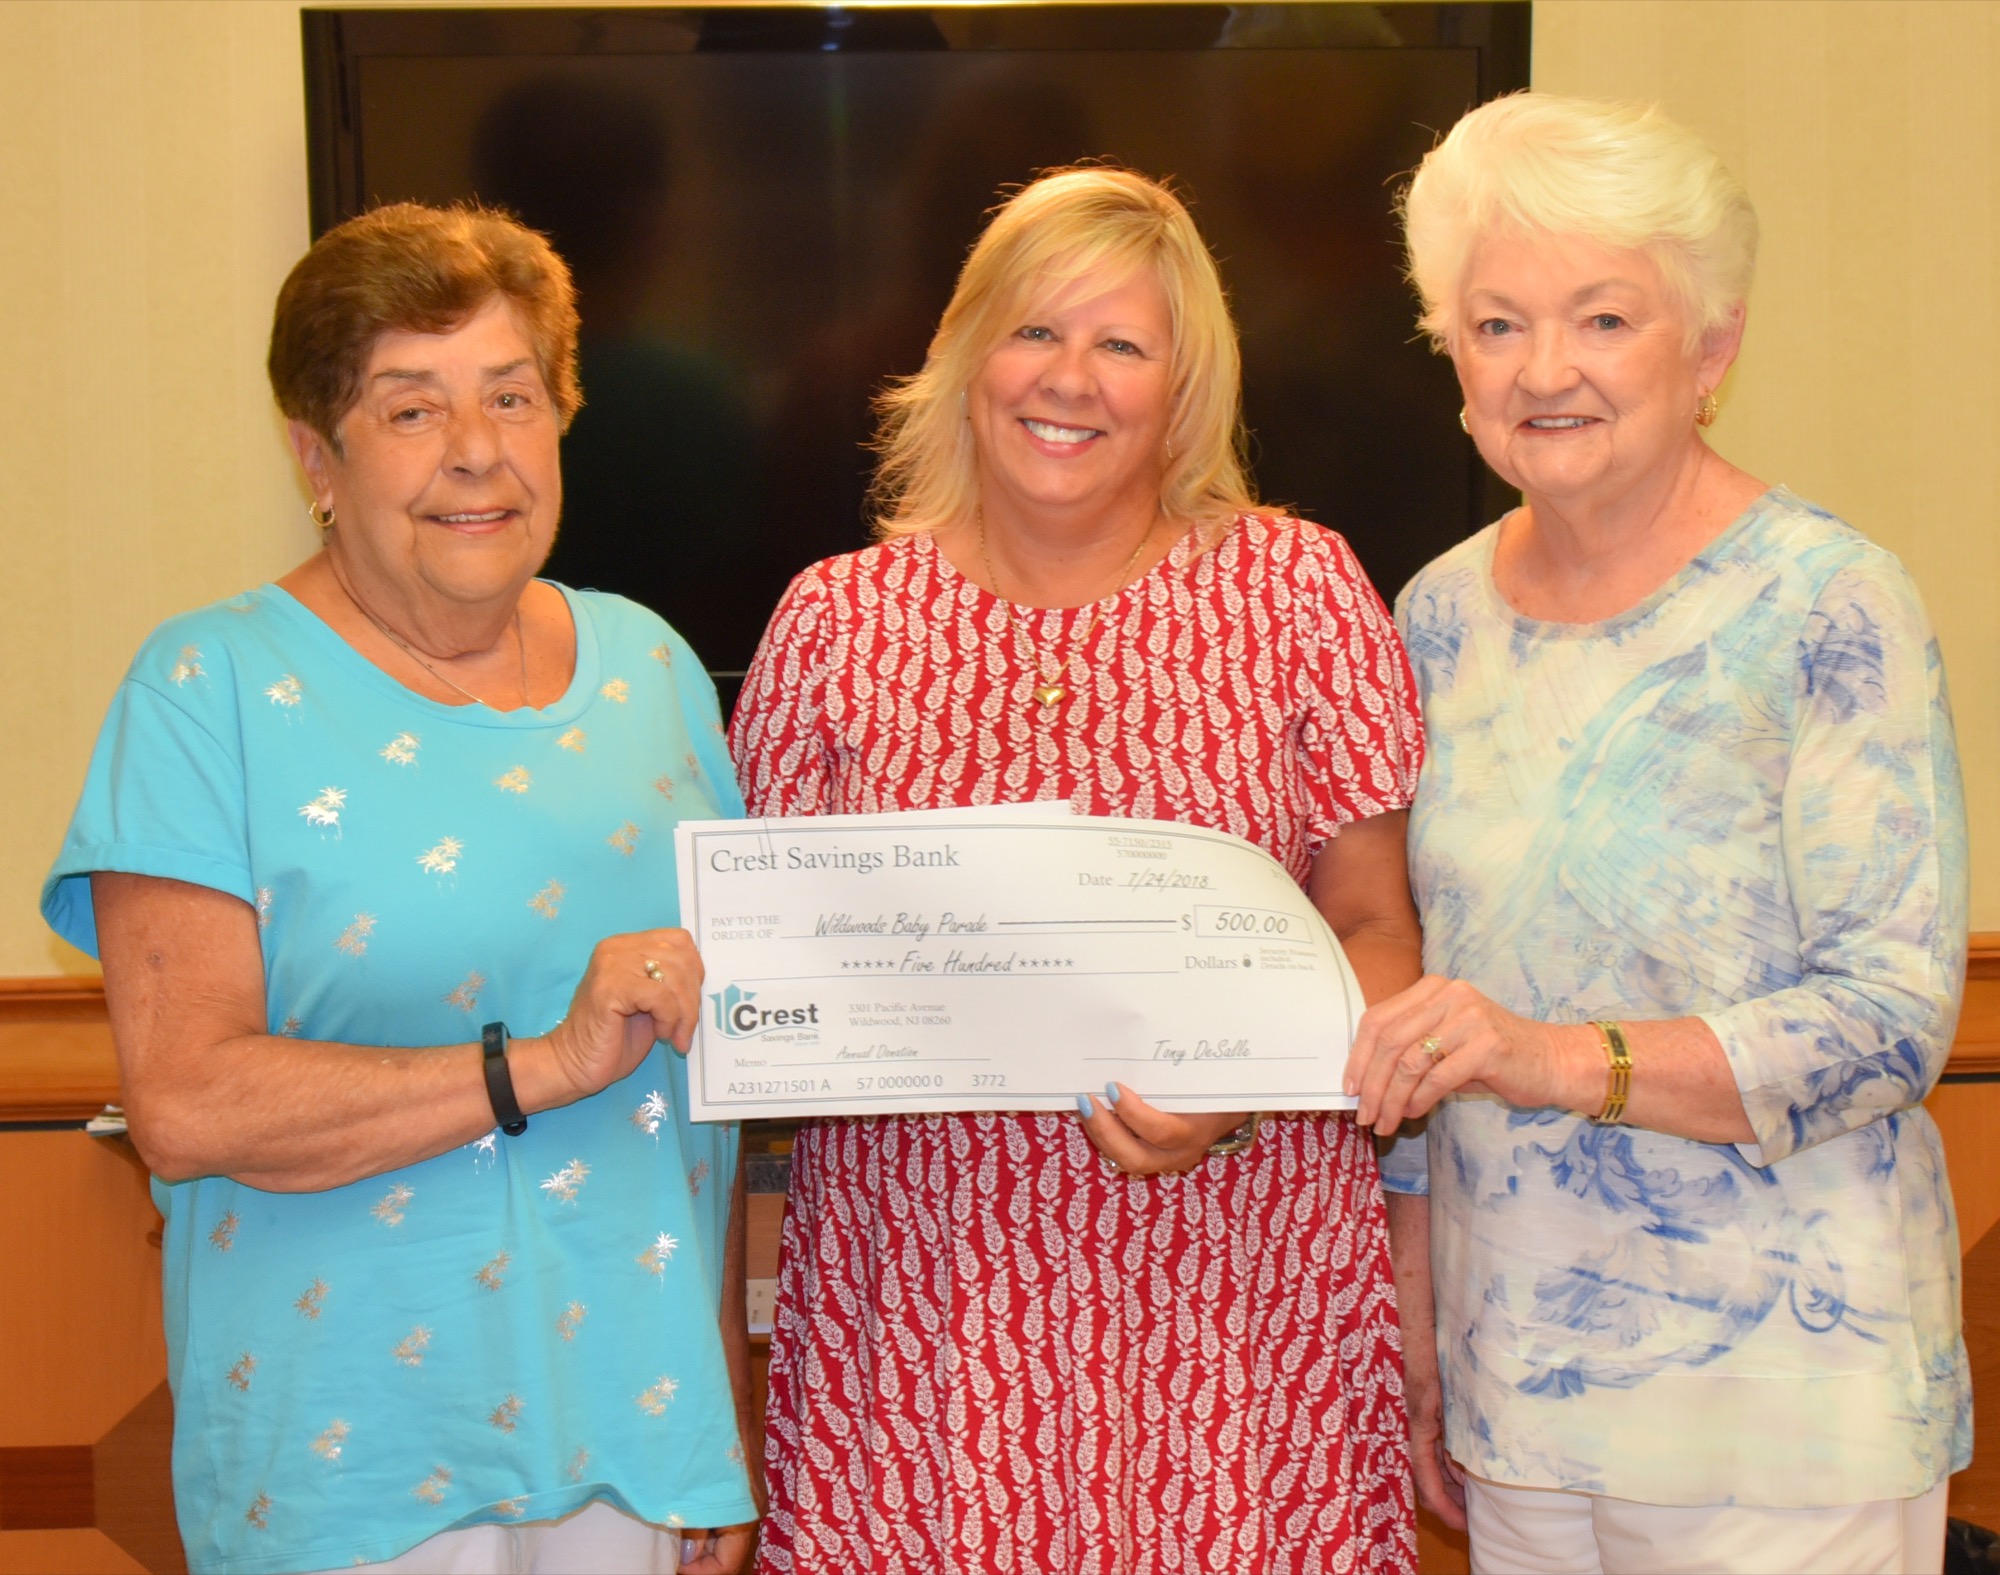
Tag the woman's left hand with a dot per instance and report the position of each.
(1441, 1036)
(1135, 1138)
(723, 1551)
(1440, 1479)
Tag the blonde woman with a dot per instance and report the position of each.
(1690, 850)
(1119, 1342)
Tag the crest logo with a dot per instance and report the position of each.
(736, 1017)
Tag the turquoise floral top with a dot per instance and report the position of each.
(511, 1329)
(1739, 800)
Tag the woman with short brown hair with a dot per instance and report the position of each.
(414, 269)
(391, 991)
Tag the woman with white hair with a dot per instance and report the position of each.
(1123, 1342)
(1690, 853)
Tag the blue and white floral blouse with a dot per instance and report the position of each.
(1738, 800)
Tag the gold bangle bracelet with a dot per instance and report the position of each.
(1619, 1055)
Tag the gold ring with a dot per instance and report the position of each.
(1432, 1046)
(653, 970)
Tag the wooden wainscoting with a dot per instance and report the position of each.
(84, 1438)
(85, 1432)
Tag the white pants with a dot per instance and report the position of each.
(595, 1540)
(1544, 1531)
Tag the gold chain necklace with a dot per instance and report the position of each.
(520, 641)
(1048, 693)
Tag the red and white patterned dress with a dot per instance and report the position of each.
(994, 1356)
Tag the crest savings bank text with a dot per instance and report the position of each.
(728, 860)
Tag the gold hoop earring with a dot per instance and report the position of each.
(1462, 426)
(313, 513)
(1705, 411)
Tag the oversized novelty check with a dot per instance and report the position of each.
(1004, 959)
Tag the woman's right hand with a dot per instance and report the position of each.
(1442, 1036)
(638, 988)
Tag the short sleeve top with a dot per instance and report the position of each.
(503, 1331)
(1257, 687)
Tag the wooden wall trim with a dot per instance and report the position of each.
(40, 997)
(62, 998)
(56, 1059)
(56, 1062)
(1977, 1047)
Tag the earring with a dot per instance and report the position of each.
(313, 514)
(1461, 422)
(1704, 411)
(1170, 450)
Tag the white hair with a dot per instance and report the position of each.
(1621, 175)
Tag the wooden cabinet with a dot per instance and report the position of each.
(86, 1431)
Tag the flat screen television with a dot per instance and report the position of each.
(766, 207)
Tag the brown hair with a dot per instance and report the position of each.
(408, 268)
(1063, 225)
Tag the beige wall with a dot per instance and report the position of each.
(153, 166)
(153, 163)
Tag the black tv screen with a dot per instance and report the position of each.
(765, 209)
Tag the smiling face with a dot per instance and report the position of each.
(1580, 385)
(1069, 412)
(448, 484)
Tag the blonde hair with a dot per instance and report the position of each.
(1622, 175)
(1064, 225)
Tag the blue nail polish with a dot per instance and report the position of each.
(1111, 1092)
(1084, 1106)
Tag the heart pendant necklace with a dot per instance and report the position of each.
(1049, 691)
